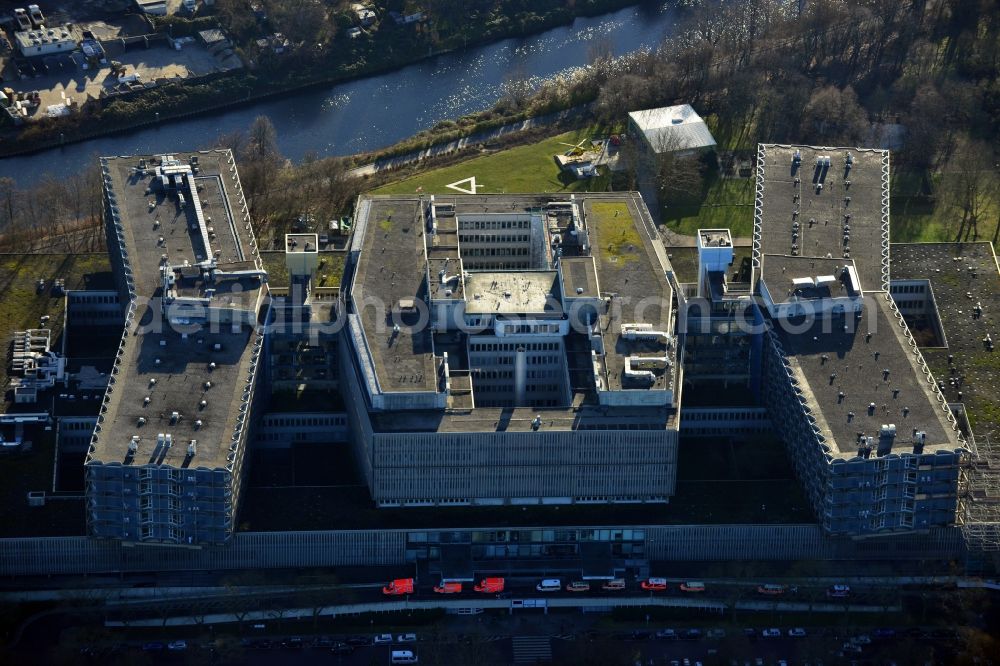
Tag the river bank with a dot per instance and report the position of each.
(179, 101)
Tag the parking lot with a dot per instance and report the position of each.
(63, 76)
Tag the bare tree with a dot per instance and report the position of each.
(677, 170)
(969, 186)
(834, 117)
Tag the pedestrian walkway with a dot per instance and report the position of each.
(532, 649)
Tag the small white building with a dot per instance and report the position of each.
(45, 41)
(671, 129)
(152, 7)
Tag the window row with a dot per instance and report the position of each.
(513, 346)
(908, 289)
(494, 238)
(496, 252)
(494, 224)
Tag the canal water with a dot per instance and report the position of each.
(375, 112)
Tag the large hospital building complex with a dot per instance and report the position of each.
(514, 352)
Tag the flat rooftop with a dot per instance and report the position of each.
(182, 377)
(880, 368)
(786, 278)
(672, 128)
(513, 292)
(631, 269)
(613, 254)
(579, 277)
(304, 243)
(846, 218)
(961, 276)
(392, 267)
(715, 238)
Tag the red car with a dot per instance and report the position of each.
(654, 584)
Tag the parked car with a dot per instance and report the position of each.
(153, 646)
(839, 591)
(716, 633)
(293, 643)
(398, 587)
(884, 633)
(342, 649)
(382, 639)
(177, 646)
(640, 635)
(771, 633)
(692, 586)
(549, 585)
(654, 584)
(358, 641)
(448, 588)
(490, 585)
(614, 585)
(406, 638)
(667, 635)
(691, 634)
(578, 586)
(770, 589)
(797, 632)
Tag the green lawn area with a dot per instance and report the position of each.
(613, 224)
(727, 203)
(525, 169)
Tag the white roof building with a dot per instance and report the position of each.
(672, 129)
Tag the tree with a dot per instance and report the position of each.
(834, 117)
(677, 173)
(969, 187)
(262, 141)
(302, 21)
(621, 94)
(924, 127)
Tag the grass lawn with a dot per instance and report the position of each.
(726, 203)
(525, 169)
(613, 224)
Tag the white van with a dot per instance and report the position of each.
(403, 657)
(549, 585)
